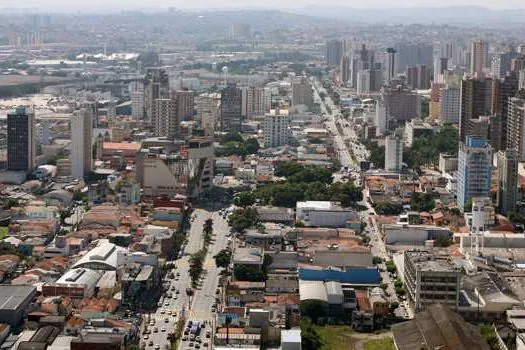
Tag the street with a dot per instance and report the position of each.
(199, 306)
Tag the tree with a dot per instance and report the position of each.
(244, 199)
(388, 208)
(310, 340)
(243, 219)
(442, 241)
(248, 273)
(421, 201)
(252, 146)
(376, 260)
(313, 309)
(227, 323)
(223, 258)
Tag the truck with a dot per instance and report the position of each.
(195, 327)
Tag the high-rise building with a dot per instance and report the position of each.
(446, 50)
(256, 101)
(207, 109)
(361, 60)
(156, 86)
(474, 170)
(450, 104)
(239, 31)
(381, 119)
(476, 100)
(517, 64)
(231, 109)
(276, 128)
(516, 127)
(81, 154)
(479, 57)
(43, 132)
(334, 52)
(345, 69)
(507, 181)
(185, 100)
(136, 93)
(501, 92)
(412, 55)
(418, 77)
(21, 139)
(501, 64)
(401, 104)
(391, 66)
(164, 118)
(440, 67)
(363, 82)
(302, 92)
(393, 153)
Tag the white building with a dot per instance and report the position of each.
(324, 214)
(276, 128)
(381, 120)
(393, 153)
(136, 92)
(256, 101)
(81, 143)
(363, 82)
(43, 132)
(417, 128)
(82, 278)
(450, 103)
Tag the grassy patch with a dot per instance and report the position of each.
(380, 344)
(336, 337)
(4, 231)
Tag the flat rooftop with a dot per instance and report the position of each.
(11, 297)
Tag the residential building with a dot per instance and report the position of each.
(136, 92)
(507, 181)
(276, 128)
(21, 139)
(185, 101)
(474, 170)
(503, 89)
(363, 82)
(408, 55)
(239, 31)
(207, 111)
(417, 128)
(302, 92)
(401, 104)
(391, 66)
(447, 163)
(43, 132)
(515, 127)
(256, 101)
(156, 86)
(501, 63)
(231, 109)
(430, 279)
(81, 154)
(164, 118)
(479, 57)
(393, 153)
(440, 67)
(345, 70)
(334, 52)
(418, 77)
(450, 104)
(476, 100)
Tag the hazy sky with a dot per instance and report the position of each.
(101, 5)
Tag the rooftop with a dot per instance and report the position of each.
(11, 297)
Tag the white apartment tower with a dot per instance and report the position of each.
(136, 92)
(393, 153)
(450, 104)
(81, 143)
(276, 128)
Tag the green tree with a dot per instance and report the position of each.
(376, 260)
(244, 199)
(313, 309)
(442, 241)
(223, 258)
(310, 339)
(422, 201)
(388, 208)
(243, 219)
(251, 146)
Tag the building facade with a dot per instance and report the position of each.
(276, 129)
(21, 139)
(156, 86)
(507, 181)
(393, 153)
(231, 109)
(81, 143)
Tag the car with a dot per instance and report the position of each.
(184, 338)
(162, 311)
(198, 339)
(166, 320)
(177, 291)
(155, 330)
(186, 331)
(159, 304)
(163, 330)
(166, 304)
(197, 346)
(212, 309)
(169, 312)
(150, 343)
(191, 344)
(145, 336)
(192, 337)
(173, 288)
(176, 278)
(157, 346)
(152, 322)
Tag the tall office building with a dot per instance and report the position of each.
(81, 154)
(21, 139)
(401, 104)
(207, 111)
(363, 82)
(501, 92)
(164, 120)
(362, 59)
(507, 181)
(136, 93)
(185, 100)
(476, 100)
(391, 65)
(393, 153)
(156, 86)
(450, 104)
(479, 57)
(276, 128)
(334, 52)
(474, 170)
(501, 64)
(446, 51)
(516, 127)
(345, 70)
(231, 109)
(412, 55)
(440, 67)
(302, 92)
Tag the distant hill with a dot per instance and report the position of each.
(424, 15)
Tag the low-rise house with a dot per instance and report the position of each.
(251, 257)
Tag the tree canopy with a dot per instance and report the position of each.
(426, 150)
(421, 201)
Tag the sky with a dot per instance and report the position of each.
(102, 5)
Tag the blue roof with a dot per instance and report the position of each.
(358, 276)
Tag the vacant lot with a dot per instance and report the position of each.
(344, 337)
